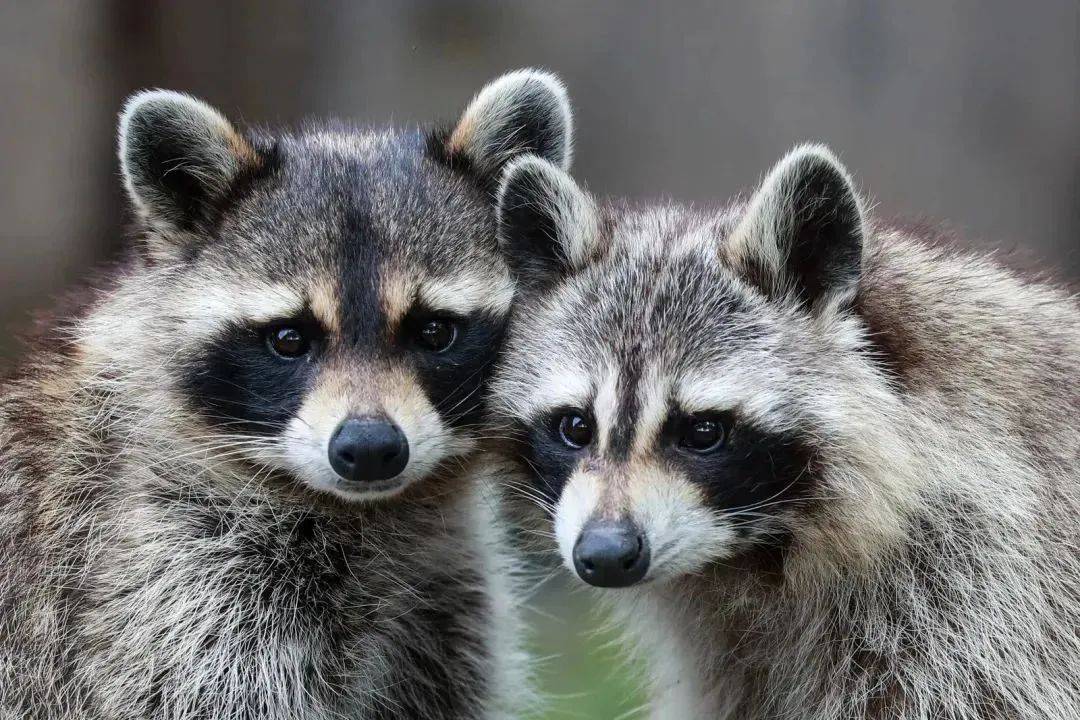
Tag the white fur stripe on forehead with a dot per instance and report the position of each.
(654, 396)
(606, 406)
(466, 294)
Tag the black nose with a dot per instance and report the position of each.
(611, 553)
(367, 449)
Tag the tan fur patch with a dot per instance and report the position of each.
(459, 139)
(336, 395)
(644, 477)
(401, 394)
(344, 391)
(323, 299)
(397, 294)
(621, 487)
(244, 152)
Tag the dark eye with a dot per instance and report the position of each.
(437, 335)
(288, 342)
(575, 431)
(702, 435)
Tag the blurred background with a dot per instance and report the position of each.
(964, 112)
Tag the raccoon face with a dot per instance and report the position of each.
(668, 374)
(325, 306)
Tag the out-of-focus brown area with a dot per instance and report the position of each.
(967, 112)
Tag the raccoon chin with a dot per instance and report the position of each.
(307, 466)
(357, 491)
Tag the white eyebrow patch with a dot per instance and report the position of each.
(709, 392)
(466, 294)
(210, 306)
(747, 384)
(566, 387)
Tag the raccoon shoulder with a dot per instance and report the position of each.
(972, 332)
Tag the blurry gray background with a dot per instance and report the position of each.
(967, 112)
(964, 112)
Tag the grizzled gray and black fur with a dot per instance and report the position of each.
(240, 484)
(831, 464)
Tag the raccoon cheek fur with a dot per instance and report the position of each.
(179, 539)
(880, 431)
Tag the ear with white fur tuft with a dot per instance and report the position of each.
(179, 157)
(802, 234)
(526, 111)
(547, 225)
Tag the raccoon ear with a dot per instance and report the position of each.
(526, 111)
(547, 225)
(179, 157)
(802, 234)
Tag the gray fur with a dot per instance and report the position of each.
(921, 562)
(159, 560)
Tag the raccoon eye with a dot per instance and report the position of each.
(575, 431)
(437, 335)
(288, 342)
(702, 435)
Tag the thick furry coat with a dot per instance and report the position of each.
(887, 524)
(175, 540)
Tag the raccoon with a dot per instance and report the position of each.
(241, 482)
(831, 461)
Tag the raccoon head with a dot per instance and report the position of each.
(675, 379)
(322, 306)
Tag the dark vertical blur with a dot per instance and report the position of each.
(967, 112)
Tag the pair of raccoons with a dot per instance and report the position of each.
(256, 474)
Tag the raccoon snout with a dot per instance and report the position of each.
(368, 449)
(611, 553)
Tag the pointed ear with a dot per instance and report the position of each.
(526, 111)
(802, 234)
(179, 158)
(547, 225)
